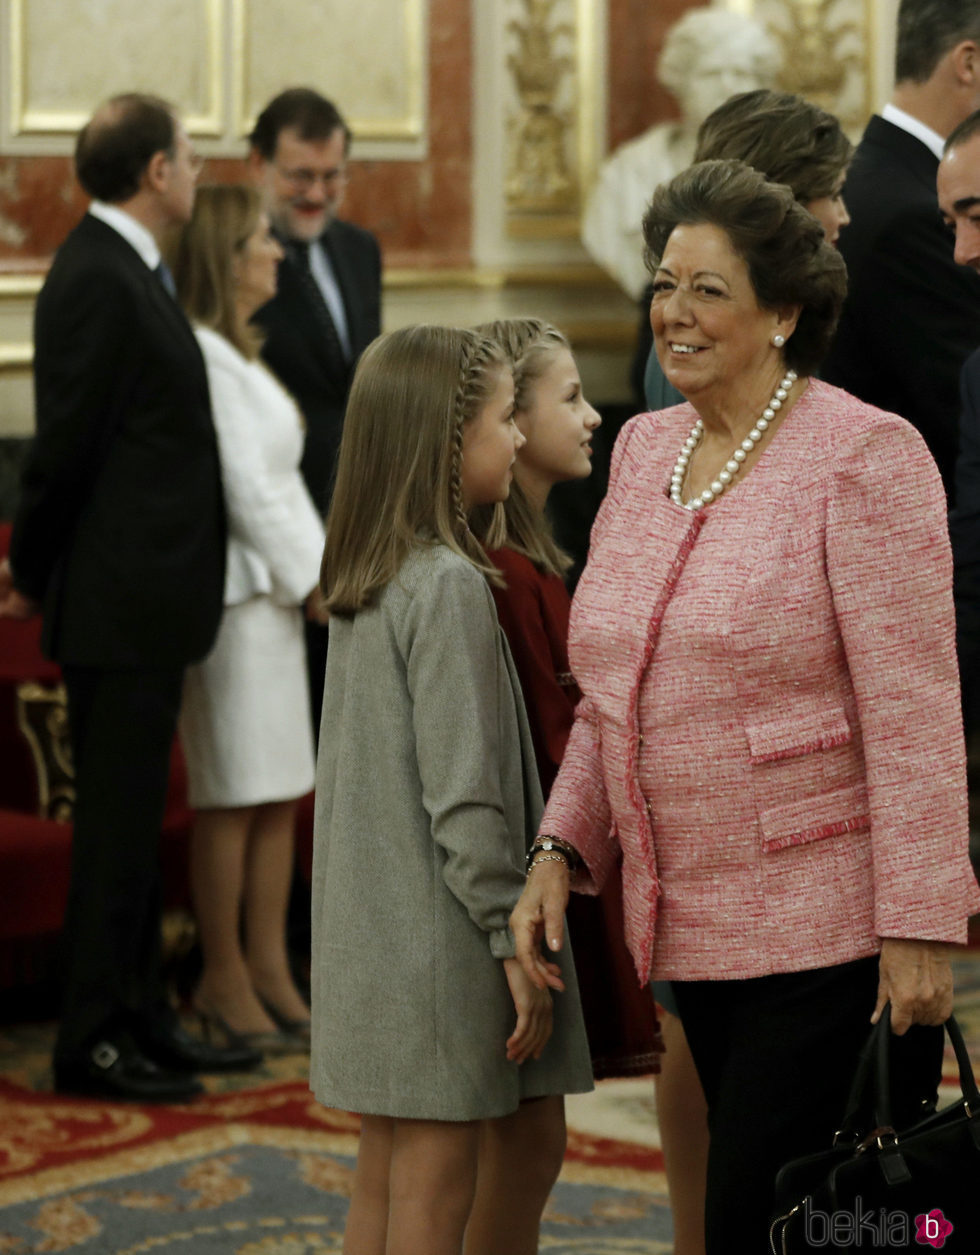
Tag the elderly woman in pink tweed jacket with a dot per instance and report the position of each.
(770, 734)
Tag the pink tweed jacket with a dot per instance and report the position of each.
(770, 728)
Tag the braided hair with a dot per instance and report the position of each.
(480, 362)
(399, 470)
(528, 344)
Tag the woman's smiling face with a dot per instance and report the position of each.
(710, 332)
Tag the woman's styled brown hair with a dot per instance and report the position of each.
(782, 244)
(203, 260)
(399, 470)
(783, 136)
(527, 344)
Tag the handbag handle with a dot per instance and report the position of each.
(874, 1054)
(881, 1034)
(853, 1126)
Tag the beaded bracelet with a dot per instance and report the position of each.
(548, 843)
(547, 858)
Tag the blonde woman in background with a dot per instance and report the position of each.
(245, 722)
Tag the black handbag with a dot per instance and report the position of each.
(876, 1188)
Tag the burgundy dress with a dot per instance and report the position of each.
(620, 1015)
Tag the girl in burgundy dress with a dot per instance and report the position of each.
(557, 423)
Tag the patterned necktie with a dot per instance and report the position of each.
(300, 252)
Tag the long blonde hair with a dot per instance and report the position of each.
(399, 470)
(203, 260)
(527, 344)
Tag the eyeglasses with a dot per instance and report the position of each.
(304, 180)
(195, 162)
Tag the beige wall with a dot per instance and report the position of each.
(16, 313)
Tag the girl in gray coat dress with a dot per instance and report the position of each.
(426, 802)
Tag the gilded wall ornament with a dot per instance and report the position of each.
(42, 716)
(540, 179)
(824, 45)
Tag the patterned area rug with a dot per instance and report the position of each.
(257, 1167)
(265, 1170)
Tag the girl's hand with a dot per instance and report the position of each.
(538, 915)
(534, 1015)
(917, 979)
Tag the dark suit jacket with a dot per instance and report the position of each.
(964, 532)
(296, 347)
(120, 528)
(912, 314)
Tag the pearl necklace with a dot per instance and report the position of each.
(734, 464)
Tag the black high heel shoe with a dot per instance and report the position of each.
(298, 1029)
(274, 1042)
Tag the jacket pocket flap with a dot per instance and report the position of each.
(791, 737)
(813, 818)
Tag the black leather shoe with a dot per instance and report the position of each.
(172, 1047)
(117, 1070)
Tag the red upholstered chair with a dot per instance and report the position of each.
(36, 796)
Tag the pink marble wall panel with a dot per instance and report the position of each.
(420, 210)
(636, 35)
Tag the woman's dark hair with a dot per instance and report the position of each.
(783, 246)
(785, 137)
(115, 147)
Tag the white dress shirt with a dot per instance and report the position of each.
(321, 269)
(133, 232)
(905, 122)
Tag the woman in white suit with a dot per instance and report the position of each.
(245, 722)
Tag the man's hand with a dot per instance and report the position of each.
(14, 604)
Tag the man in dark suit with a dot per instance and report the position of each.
(120, 538)
(912, 315)
(328, 305)
(958, 185)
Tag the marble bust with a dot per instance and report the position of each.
(709, 55)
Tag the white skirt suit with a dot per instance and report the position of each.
(245, 723)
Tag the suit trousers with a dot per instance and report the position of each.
(776, 1056)
(122, 726)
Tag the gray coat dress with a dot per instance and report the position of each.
(426, 800)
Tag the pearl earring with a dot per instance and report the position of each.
(778, 341)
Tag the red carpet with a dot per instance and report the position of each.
(264, 1170)
(44, 1136)
(257, 1167)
